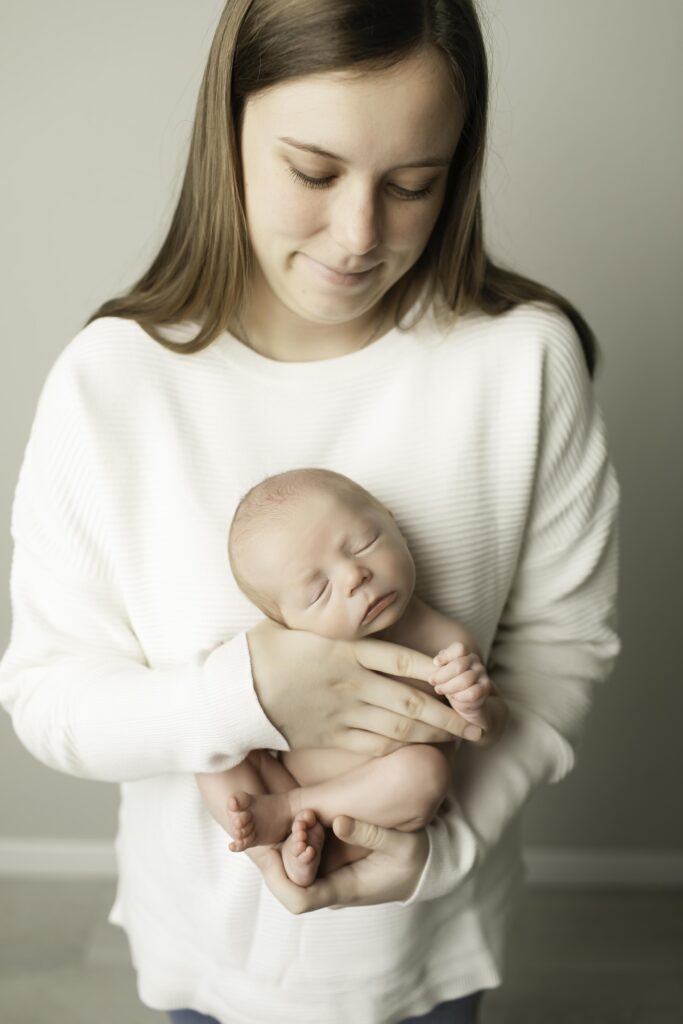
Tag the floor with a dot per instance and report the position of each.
(580, 956)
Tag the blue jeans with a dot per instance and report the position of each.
(457, 1011)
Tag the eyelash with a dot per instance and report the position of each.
(359, 552)
(404, 193)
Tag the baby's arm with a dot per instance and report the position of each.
(460, 675)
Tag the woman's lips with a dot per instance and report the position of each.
(332, 277)
(377, 609)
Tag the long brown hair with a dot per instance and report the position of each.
(202, 270)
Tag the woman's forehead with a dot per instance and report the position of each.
(402, 114)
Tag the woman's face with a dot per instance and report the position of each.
(371, 207)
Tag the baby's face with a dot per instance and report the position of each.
(329, 561)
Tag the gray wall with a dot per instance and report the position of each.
(582, 193)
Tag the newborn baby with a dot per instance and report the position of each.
(315, 551)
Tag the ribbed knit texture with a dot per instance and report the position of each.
(128, 659)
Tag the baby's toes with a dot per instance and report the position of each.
(304, 819)
(300, 837)
(242, 800)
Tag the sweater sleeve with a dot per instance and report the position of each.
(74, 678)
(556, 638)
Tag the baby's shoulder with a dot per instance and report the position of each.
(425, 629)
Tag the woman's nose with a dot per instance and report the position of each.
(357, 228)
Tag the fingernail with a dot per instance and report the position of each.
(472, 733)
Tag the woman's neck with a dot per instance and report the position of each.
(277, 334)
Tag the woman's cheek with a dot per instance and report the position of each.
(297, 219)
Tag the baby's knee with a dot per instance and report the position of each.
(425, 775)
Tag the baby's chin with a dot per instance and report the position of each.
(384, 631)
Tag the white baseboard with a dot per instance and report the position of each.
(46, 858)
(56, 858)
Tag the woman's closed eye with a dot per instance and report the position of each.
(402, 193)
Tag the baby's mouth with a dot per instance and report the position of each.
(378, 606)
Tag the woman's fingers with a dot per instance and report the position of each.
(389, 873)
(392, 659)
(295, 898)
(291, 896)
(360, 741)
(316, 692)
(394, 727)
(417, 707)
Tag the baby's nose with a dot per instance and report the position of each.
(358, 575)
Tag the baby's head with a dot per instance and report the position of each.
(314, 550)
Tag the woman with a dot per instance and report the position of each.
(323, 297)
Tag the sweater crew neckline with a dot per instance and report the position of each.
(366, 358)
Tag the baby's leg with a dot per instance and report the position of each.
(261, 774)
(337, 853)
(217, 788)
(402, 790)
(302, 849)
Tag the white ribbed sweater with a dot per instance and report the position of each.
(128, 660)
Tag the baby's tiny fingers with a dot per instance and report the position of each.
(465, 708)
(456, 650)
(463, 681)
(476, 691)
(471, 698)
(453, 668)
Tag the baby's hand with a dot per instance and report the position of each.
(462, 679)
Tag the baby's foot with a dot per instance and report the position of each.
(258, 820)
(302, 849)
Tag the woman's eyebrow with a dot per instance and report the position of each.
(428, 161)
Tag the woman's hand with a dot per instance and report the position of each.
(326, 693)
(388, 874)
